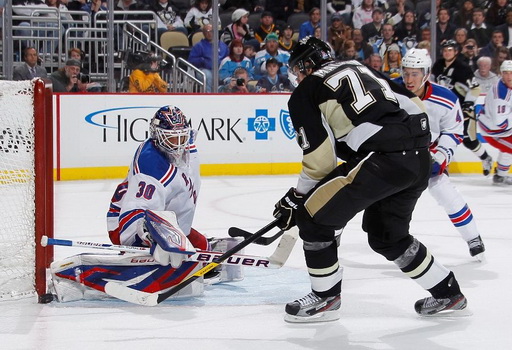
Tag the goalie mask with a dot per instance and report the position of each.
(309, 53)
(170, 131)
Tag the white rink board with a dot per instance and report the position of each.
(104, 130)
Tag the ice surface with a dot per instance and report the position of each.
(377, 301)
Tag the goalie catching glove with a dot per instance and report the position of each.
(286, 209)
(162, 231)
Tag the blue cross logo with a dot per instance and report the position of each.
(262, 124)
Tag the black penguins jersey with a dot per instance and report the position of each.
(458, 77)
(345, 108)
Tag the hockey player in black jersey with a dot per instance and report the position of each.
(345, 110)
(457, 76)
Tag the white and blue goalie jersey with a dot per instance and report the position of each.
(155, 183)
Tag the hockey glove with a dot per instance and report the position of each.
(161, 256)
(438, 163)
(286, 209)
(468, 109)
(166, 236)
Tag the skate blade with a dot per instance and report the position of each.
(480, 257)
(326, 316)
(451, 313)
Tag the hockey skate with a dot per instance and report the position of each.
(313, 308)
(487, 165)
(213, 276)
(432, 306)
(476, 247)
(499, 180)
(223, 273)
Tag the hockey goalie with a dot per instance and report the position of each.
(153, 207)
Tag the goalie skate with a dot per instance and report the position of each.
(224, 273)
(313, 308)
(431, 306)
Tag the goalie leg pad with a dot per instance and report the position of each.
(84, 276)
(228, 273)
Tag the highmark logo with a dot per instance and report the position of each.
(261, 124)
(116, 126)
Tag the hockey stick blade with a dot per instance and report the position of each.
(285, 247)
(238, 232)
(151, 299)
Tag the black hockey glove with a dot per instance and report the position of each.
(286, 209)
(468, 109)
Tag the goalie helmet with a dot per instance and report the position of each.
(309, 53)
(170, 131)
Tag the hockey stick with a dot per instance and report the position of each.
(46, 241)
(204, 256)
(126, 293)
(238, 232)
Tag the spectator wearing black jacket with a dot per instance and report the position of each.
(479, 30)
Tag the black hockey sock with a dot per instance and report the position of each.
(484, 156)
(446, 288)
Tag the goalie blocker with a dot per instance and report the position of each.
(84, 276)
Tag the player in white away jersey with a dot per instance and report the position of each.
(495, 122)
(446, 128)
(163, 176)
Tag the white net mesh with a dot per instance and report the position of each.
(17, 197)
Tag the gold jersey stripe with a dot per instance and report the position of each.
(323, 194)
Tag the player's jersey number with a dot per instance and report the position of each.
(361, 96)
(145, 190)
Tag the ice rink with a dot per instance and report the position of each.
(377, 299)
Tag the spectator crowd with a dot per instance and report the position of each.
(260, 34)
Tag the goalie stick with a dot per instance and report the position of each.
(204, 256)
(238, 232)
(280, 256)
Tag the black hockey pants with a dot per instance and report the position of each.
(385, 185)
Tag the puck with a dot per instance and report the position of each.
(45, 298)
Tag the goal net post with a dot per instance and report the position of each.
(26, 186)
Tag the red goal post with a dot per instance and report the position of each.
(26, 186)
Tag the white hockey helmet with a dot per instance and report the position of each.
(420, 59)
(171, 131)
(506, 66)
(417, 58)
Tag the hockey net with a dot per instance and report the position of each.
(26, 187)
